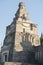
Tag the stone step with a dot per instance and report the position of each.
(18, 63)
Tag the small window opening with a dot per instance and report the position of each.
(31, 27)
(23, 29)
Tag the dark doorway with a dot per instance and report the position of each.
(6, 57)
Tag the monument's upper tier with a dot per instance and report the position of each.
(21, 12)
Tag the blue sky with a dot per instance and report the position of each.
(8, 9)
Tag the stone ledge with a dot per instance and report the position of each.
(18, 63)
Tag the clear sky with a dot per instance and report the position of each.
(8, 9)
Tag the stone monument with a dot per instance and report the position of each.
(20, 39)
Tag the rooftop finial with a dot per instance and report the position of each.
(21, 5)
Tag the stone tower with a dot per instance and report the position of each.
(26, 31)
(21, 36)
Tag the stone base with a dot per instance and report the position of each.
(18, 63)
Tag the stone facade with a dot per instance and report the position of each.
(21, 38)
